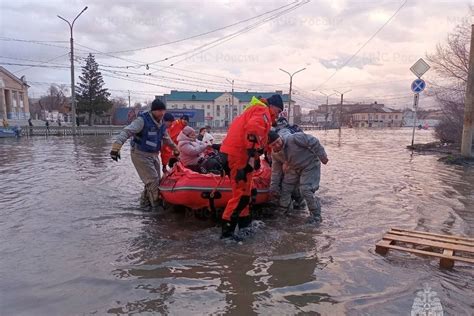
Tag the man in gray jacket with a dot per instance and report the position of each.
(303, 155)
(148, 131)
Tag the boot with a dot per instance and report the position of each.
(314, 219)
(228, 228)
(315, 215)
(144, 200)
(154, 198)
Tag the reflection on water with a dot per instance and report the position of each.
(75, 241)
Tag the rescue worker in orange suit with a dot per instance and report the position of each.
(176, 127)
(246, 137)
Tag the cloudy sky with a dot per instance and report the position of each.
(150, 47)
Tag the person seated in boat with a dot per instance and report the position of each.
(168, 155)
(202, 132)
(191, 150)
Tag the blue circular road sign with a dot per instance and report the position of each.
(418, 85)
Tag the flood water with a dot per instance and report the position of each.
(74, 241)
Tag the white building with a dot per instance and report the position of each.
(220, 108)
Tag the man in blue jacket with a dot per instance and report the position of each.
(149, 131)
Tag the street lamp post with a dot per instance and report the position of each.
(73, 90)
(327, 107)
(342, 102)
(232, 101)
(291, 118)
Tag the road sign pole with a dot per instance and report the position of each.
(415, 107)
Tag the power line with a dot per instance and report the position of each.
(228, 37)
(363, 45)
(34, 65)
(201, 34)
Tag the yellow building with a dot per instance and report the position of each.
(13, 96)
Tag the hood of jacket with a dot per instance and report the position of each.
(183, 138)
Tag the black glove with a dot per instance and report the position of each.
(216, 146)
(115, 155)
(251, 152)
(257, 164)
(242, 173)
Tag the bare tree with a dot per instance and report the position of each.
(56, 98)
(451, 62)
(118, 102)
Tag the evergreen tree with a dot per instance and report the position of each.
(91, 96)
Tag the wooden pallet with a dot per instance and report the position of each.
(452, 248)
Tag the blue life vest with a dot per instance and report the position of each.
(150, 137)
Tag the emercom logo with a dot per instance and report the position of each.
(426, 303)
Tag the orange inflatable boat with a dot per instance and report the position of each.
(182, 186)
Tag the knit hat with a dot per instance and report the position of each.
(157, 104)
(168, 117)
(275, 100)
(272, 137)
(188, 130)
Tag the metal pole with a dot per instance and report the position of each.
(73, 90)
(342, 102)
(129, 98)
(468, 126)
(291, 118)
(73, 87)
(232, 101)
(327, 107)
(415, 107)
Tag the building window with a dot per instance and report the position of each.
(383, 117)
(193, 97)
(396, 117)
(192, 106)
(14, 103)
(202, 106)
(174, 106)
(208, 106)
(218, 108)
(389, 116)
(21, 100)
(184, 106)
(208, 114)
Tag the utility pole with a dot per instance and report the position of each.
(327, 107)
(291, 118)
(73, 88)
(129, 105)
(468, 126)
(232, 100)
(342, 102)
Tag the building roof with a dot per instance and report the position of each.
(175, 95)
(375, 110)
(9, 74)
